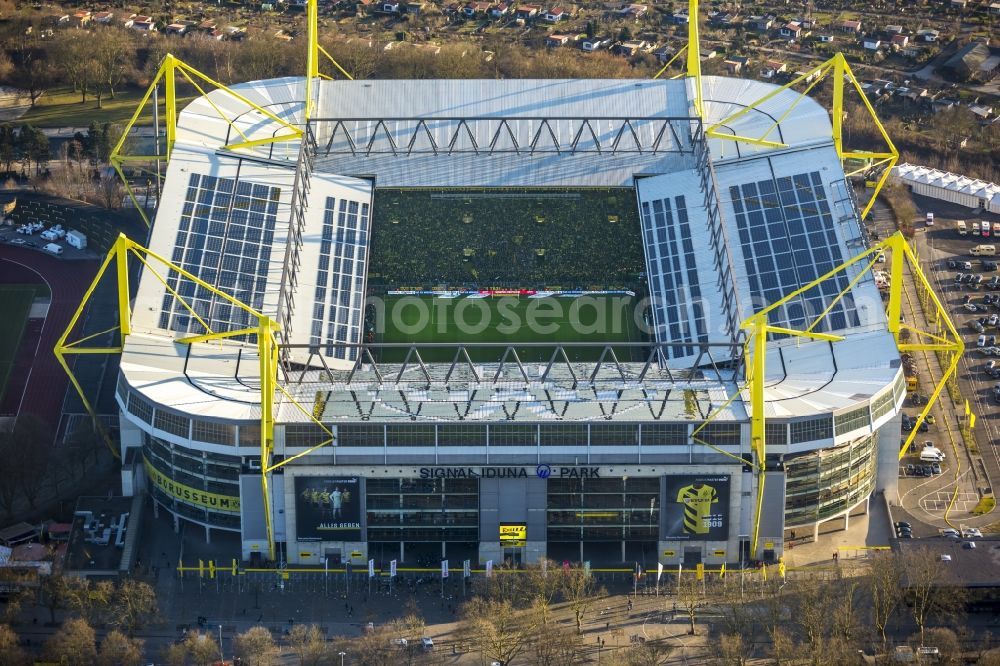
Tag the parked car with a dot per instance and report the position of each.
(972, 533)
(936, 468)
(989, 265)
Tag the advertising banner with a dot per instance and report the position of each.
(513, 534)
(202, 498)
(696, 507)
(328, 508)
(444, 568)
(392, 569)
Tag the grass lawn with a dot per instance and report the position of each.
(61, 107)
(510, 319)
(16, 299)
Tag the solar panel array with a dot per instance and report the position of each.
(787, 235)
(340, 278)
(225, 236)
(678, 308)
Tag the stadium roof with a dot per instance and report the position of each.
(226, 217)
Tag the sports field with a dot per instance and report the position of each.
(598, 319)
(16, 299)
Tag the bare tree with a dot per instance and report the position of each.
(114, 58)
(11, 652)
(90, 601)
(175, 655)
(57, 593)
(256, 647)
(579, 590)
(691, 598)
(73, 645)
(495, 629)
(308, 644)
(551, 644)
(117, 649)
(928, 587)
(133, 604)
(885, 577)
(202, 648)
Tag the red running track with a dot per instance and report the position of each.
(37, 365)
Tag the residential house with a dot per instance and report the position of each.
(913, 51)
(928, 35)
(791, 30)
(388, 7)
(759, 23)
(680, 18)
(176, 29)
(633, 11)
(735, 64)
(664, 54)
(826, 39)
(416, 7)
(55, 20)
(104, 18)
(554, 15)
(772, 68)
(959, 4)
(556, 39)
(477, 8)
(598, 43)
(899, 41)
(891, 30)
(872, 43)
(630, 48)
(995, 8)
(141, 23)
(807, 77)
(500, 10)
(82, 18)
(722, 19)
(850, 26)
(527, 12)
(207, 26)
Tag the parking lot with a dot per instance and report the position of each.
(969, 288)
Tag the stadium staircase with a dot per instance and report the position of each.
(293, 248)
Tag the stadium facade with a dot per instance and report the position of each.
(605, 460)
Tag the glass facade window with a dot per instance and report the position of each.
(811, 430)
(422, 509)
(211, 432)
(511, 434)
(622, 509)
(664, 434)
(563, 434)
(883, 404)
(822, 484)
(249, 435)
(614, 434)
(410, 435)
(776, 433)
(172, 423)
(852, 420)
(361, 434)
(721, 434)
(140, 408)
(470, 434)
(305, 435)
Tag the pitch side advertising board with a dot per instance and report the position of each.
(328, 508)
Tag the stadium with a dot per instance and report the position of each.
(506, 320)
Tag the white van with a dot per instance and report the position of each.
(975, 228)
(52, 248)
(962, 229)
(930, 219)
(931, 455)
(984, 250)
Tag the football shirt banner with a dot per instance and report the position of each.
(696, 507)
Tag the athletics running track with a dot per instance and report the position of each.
(36, 369)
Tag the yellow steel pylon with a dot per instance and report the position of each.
(265, 329)
(945, 339)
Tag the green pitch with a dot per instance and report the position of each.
(510, 319)
(16, 299)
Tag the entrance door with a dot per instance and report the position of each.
(692, 557)
(512, 556)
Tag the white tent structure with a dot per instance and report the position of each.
(962, 190)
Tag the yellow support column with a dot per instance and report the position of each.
(694, 56)
(312, 53)
(268, 368)
(838, 103)
(755, 380)
(124, 307)
(170, 92)
(896, 284)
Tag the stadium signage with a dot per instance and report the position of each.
(541, 472)
(191, 495)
